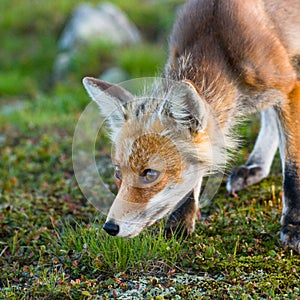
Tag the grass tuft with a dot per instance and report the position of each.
(113, 255)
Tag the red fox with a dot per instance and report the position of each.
(226, 59)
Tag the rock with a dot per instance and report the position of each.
(2, 139)
(12, 107)
(62, 65)
(105, 22)
(88, 25)
(114, 75)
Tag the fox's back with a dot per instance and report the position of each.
(285, 16)
(252, 41)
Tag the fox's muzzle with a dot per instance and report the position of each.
(111, 227)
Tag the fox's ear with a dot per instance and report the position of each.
(187, 107)
(110, 98)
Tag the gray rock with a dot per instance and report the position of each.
(2, 139)
(62, 65)
(10, 108)
(114, 75)
(105, 22)
(88, 25)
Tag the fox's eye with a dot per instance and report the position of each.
(149, 175)
(118, 172)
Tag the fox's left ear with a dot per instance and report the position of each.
(187, 107)
(110, 98)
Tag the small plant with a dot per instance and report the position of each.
(114, 255)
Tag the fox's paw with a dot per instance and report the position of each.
(290, 236)
(243, 176)
(178, 227)
(181, 222)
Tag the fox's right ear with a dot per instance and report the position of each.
(110, 98)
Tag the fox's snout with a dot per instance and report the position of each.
(111, 227)
(123, 228)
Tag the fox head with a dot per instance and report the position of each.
(161, 149)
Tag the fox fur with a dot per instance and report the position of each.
(226, 59)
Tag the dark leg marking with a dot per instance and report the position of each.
(290, 230)
(182, 221)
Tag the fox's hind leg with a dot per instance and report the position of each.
(259, 163)
(289, 115)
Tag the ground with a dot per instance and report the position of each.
(51, 242)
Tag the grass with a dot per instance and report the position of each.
(118, 255)
(51, 242)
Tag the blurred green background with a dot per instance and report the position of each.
(29, 31)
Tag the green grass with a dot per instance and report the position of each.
(51, 242)
(115, 255)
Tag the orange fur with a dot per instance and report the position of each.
(290, 116)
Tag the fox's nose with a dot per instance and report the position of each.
(111, 228)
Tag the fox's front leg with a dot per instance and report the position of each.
(182, 220)
(289, 115)
(259, 163)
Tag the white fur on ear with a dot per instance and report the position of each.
(187, 107)
(110, 98)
